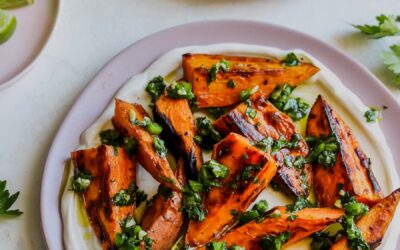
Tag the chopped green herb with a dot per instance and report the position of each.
(164, 191)
(114, 138)
(193, 104)
(235, 247)
(126, 197)
(322, 241)
(132, 235)
(354, 236)
(291, 217)
(156, 87)
(80, 181)
(196, 186)
(192, 204)
(255, 212)
(159, 146)
(166, 179)
(291, 60)
(7, 200)
(215, 113)
(245, 94)
(222, 65)
(210, 172)
(132, 117)
(251, 112)
(216, 246)
(372, 115)
(180, 90)
(386, 27)
(295, 107)
(299, 162)
(207, 135)
(299, 204)
(265, 144)
(274, 242)
(323, 150)
(231, 84)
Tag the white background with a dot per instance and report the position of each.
(90, 32)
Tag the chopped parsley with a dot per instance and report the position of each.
(126, 197)
(295, 107)
(152, 127)
(322, 241)
(250, 111)
(353, 210)
(222, 246)
(159, 146)
(274, 242)
(323, 150)
(386, 27)
(372, 115)
(210, 174)
(231, 84)
(132, 235)
(80, 181)
(7, 200)
(291, 60)
(215, 113)
(269, 145)
(245, 94)
(299, 204)
(291, 217)
(207, 135)
(265, 144)
(222, 65)
(114, 138)
(180, 90)
(156, 87)
(255, 212)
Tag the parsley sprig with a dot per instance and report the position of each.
(386, 27)
(7, 200)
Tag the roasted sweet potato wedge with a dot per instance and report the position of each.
(245, 72)
(373, 225)
(307, 222)
(250, 171)
(352, 168)
(163, 219)
(156, 165)
(180, 128)
(112, 170)
(270, 122)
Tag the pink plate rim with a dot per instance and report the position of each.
(139, 55)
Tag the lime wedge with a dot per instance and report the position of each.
(8, 23)
(12, 4)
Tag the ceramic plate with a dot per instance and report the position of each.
(138, 56)
(34, 25)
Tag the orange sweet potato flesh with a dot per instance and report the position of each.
(156, 165)
(374, 224)
(112, 170)
(352, 168)
(235, 152)
(307, 222)
(271, 122)
(179, 126)
(162, 220)
(246, 72)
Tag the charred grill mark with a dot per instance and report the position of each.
(366, 163)
(240, 125)
(224, 148)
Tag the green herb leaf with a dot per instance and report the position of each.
(222, 65)
(299, 204)
(265, 144)
(156, 87)
(274, 242)
(386, 27)
(132, 235)
(216, 246)
(180, 90)
(215, 113)
(80, 181)
(7, 200)
(114, 138)
(231, 84)
(291, 60)
(322, 241)
(207, 135)
(192, 204)
(372, 115)
(245, 94)
(391, 59)
(323, 150)
(294, 107)
(126, 197)
(159, 146)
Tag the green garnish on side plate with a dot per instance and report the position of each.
(7, 200)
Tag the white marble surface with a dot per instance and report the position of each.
(90, 32)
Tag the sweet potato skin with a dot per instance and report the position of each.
(112, 170)
(163, 219)
(352, 166)
(179, 126)
(307, 222)
(246, 72)
(220, 202)
(374, 224)
(156, 165)
(271, 122)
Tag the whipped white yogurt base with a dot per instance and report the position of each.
(79, 235)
